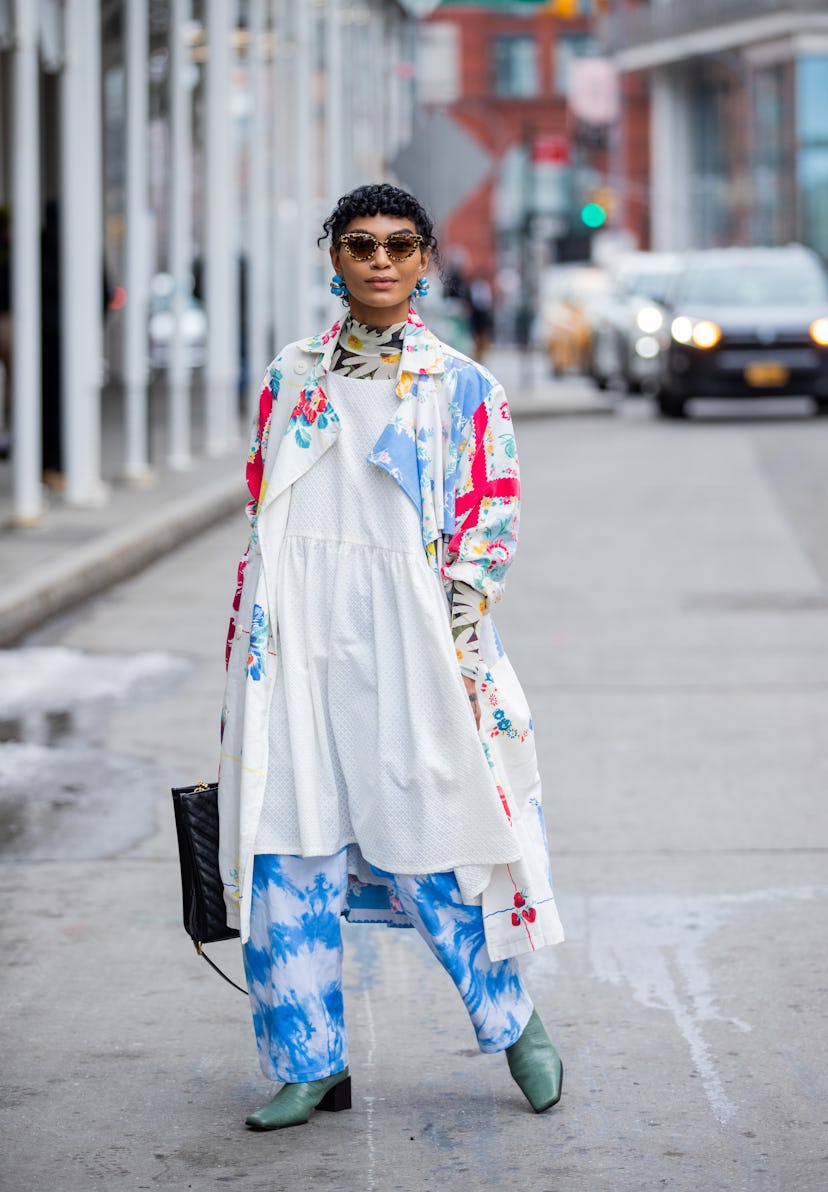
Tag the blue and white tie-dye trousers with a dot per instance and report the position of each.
(293, 961)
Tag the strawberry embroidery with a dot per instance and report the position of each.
(523, 912)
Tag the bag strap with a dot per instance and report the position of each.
(216, 968)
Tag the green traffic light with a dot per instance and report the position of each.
(593, 215)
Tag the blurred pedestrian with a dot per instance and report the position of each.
(378, 758)
(481, 316)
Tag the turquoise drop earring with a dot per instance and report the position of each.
(421, 288)
(338, 286)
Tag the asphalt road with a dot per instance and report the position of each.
(668, 615)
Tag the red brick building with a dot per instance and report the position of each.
(503, 75)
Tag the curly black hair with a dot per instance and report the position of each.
(379, 198)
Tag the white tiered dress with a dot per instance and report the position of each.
(372, 739)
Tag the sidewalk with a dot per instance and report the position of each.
(76, 552)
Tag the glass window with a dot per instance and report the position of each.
(568, 47)
(515, 65)
(811, 90)
(438, 62)
(813, 197)
(774, 207)
(812, 151)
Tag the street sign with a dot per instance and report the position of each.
(550, 148)
(441, 163)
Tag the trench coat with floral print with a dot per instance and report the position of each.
(451, 448)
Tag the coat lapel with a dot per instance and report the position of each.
(312, 425)
(411, 446)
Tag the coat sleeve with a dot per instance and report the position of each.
(487, 501)
(254, 474)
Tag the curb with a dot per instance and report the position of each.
(521, 410)
(112, 557)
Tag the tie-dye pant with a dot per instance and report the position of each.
(293, 961)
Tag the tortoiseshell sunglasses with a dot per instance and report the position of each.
(362, 245)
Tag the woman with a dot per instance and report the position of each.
(377, 756)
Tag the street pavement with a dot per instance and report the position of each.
(668, 616)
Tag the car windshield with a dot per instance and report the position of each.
(753, 285)
(649, 284)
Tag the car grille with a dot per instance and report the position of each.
(735, 359)
(766, 340)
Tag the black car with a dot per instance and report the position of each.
(746, 322)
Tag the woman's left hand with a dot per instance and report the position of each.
(471, 691)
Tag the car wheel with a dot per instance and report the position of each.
(822, 407)
(670, 406)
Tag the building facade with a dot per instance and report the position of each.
(173, 157)
(502, 74)
(738, 93)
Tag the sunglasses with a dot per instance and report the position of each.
(362, 245)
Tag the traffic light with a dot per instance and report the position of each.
(568, 10)
(598, 207)
(593, 215)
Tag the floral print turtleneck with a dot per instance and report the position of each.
(374, 354)
(371, 353)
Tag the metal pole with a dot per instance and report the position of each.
(79, 466)
(136, 464)
(26, 267)
(282, 265)
(304, 181)
(178, 375)
(257, 255)
(220, 254)
(334, 184)
(95, 258)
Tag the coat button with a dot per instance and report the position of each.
(300, 368)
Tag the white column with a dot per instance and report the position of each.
(136, 270)
(95, 257)
(178, 373)
(258, 258)
(81, 254)
(282, 262)
(25, 297)
(304, 173)
(671, 225)
(220, 265)
(334, 147)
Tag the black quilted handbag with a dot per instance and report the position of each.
(197, 827)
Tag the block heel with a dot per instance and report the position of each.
(294, 1103)
(337, 1098)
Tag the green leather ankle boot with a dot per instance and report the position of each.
(294, 1103)
(536, 1066)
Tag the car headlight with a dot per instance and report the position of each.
(646, 346)
(702, 333)
(818, 332)
(649, 320)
